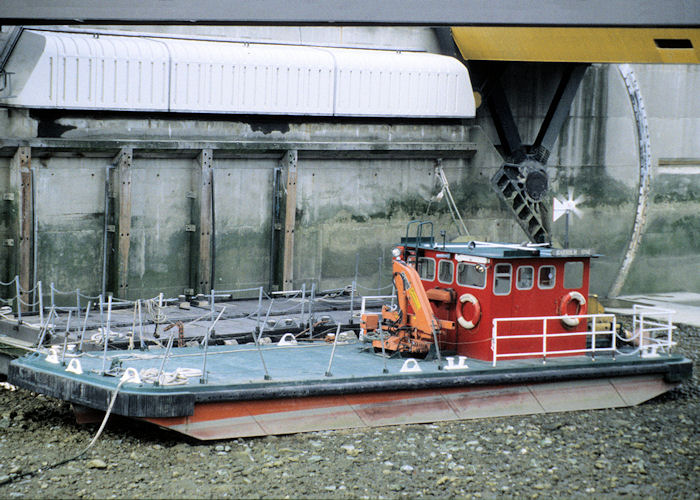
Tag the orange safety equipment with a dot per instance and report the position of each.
(476, 316)
(564, 307)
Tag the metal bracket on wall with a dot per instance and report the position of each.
(123, 164)
(289, 161)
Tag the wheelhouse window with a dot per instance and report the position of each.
(446, 271)
(573, 275)
(547, 277)
(471, 275)
(426, 268)
(501, 279)
(525, 278)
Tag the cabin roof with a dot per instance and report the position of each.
(493, 250)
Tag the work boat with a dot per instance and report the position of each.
(471, 330)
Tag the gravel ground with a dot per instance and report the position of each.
(645, 451)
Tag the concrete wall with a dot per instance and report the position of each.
(596, 156)
(346, 205)
(358, 204)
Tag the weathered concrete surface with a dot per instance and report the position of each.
(596, 156)
(349, 204)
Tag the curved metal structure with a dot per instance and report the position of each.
(644, 145)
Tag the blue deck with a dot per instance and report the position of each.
(238, 366)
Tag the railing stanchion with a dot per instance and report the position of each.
(168, 348)
(41, 302)
(311, 310)
(335, 342)
(203, 380)
(385, 370)
(77, 302)
(212, 309)
(593, 340)
(65, 339)
(494, 341)
(614, 336)
(141, 344)
(257, 340)
(544, 341)
(82, 333)
(18, 301)
(105, 333)
(303, 299)
(43, 330)
(641, 334)
(352, 301)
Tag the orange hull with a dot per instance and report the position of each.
(225, 420)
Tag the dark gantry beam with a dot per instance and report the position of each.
(621, 13)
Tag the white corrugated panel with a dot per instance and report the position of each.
(87, 72)
(240, 78)
(111, 72)
(401, 84)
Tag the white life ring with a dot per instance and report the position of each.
(564, 305)
(474, 320)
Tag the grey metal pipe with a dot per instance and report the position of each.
(19, 301)
(82, 334)
(203, 379)
(105, 333)
(335, 342)
(65, 338)
(105, 233)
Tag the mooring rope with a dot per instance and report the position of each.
(14, 477)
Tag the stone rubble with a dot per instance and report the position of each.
(647, 451)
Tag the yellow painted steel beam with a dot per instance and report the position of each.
(586, 45)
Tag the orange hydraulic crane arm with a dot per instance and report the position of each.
(410, 291)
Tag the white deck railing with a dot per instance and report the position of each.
(652, 329)
(544, 335)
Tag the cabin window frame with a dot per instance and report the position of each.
(539, 277)
(500, 275)
(419, 267)
(532, 278)
(485, 273)
(452, 271)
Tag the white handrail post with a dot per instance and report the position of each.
(494, 342)
(335, 342)
(311, 310)
(614, 336)
(544, 340)
(641, 333)
(593, 340)
(634, 320)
